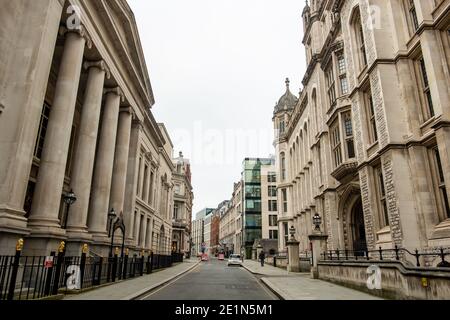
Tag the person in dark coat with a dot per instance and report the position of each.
(262, 257)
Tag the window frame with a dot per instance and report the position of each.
(360, 40)
(342, 73)
(273, 234)
(40, 138)
(270, 191)
(330, 84)
(284, 200)
(383, 213)
(426, 98)
(271, 177)
(272, 205)
(439, 186)
(413, 21)
(347, 115)
(336, 143)
(369, 107)
(283, 166)
(273, 220)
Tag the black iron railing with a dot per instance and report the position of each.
(389, 254)
(34, 277)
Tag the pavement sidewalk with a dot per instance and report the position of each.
(131, 289)
(299, 286)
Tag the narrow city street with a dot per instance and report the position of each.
(214, 280)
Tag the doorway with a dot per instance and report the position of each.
(358, 229)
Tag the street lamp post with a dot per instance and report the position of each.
(292, 232)
(111, 216)
(317, 221)
(69, 200)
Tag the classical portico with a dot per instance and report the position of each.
(66, 122)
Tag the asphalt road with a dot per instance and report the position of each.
(214, 280)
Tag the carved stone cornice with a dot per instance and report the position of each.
(80, 30)
(101, 64)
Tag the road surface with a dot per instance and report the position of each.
(213, 280)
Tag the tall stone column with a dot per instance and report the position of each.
(141, 174)
(47, 197)
(103, 170)
(28, 34)
(132, 178)
(121, 160)
(143, 233)
(85, 152)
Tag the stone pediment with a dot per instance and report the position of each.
(120, 24)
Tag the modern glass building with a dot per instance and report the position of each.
(252, 204)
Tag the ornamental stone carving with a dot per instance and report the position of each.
(81, 31)
(101, 64)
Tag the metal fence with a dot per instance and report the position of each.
(35, 277)
(395, 254)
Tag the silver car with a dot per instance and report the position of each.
(235, 260)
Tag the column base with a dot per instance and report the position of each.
(13, 226)
(78, 235)
(76, 238)
(74, 246)
(45, 236)
(41, 245)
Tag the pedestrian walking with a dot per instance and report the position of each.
(262, 257)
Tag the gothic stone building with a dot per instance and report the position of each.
(75, 114)
(366, 144)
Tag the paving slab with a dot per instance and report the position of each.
(131, 289)
(300, 286)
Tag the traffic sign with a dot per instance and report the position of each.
(48, 263)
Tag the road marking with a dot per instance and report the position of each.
(169, 283)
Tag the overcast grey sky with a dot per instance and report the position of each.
(217, 68)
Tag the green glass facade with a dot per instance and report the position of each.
(252, 215)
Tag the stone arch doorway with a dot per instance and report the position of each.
(358, 229)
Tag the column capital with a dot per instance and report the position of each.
(127, 109)
(80, 30)
(138, 124)
(117, 91)
(100, 64)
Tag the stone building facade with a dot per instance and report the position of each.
(76, 115)
(182, 207)
(366, 143)
(237, 204)
(227, 229)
